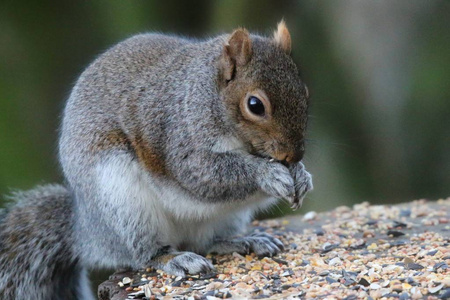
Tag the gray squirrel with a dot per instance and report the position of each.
(168, 146)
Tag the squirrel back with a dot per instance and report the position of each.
(133, 98)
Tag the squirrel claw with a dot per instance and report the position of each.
(296, 205)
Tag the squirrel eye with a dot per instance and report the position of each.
(256, 106)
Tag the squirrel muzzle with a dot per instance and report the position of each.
(290, 155)
(295, 157)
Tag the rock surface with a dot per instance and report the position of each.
(398, 252)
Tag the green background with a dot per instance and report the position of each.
(378, 73)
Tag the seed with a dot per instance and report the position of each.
(435, 289)
(126, 280)
(310, 216)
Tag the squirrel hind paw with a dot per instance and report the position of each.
(184, 263)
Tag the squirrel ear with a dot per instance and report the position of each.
(236, 52)
(282, 37)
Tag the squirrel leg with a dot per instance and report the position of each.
(261, 243)
(181, 263)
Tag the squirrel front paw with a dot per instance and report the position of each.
(276, 180)
(302, 184)
(262, 244)
(184, 263)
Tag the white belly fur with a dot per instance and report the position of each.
(167, 209)
(194, 222)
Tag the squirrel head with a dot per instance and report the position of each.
(264, 95)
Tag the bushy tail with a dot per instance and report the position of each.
(36, 242)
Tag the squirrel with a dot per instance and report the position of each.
(168, 146)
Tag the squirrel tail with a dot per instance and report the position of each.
(37, 260)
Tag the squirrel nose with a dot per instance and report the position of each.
(291, 155)
(295, 156)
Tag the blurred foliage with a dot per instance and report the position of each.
(378, 72)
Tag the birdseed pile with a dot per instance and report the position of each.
(364, 252)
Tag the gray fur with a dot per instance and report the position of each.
(36, 257)
(161, 165)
